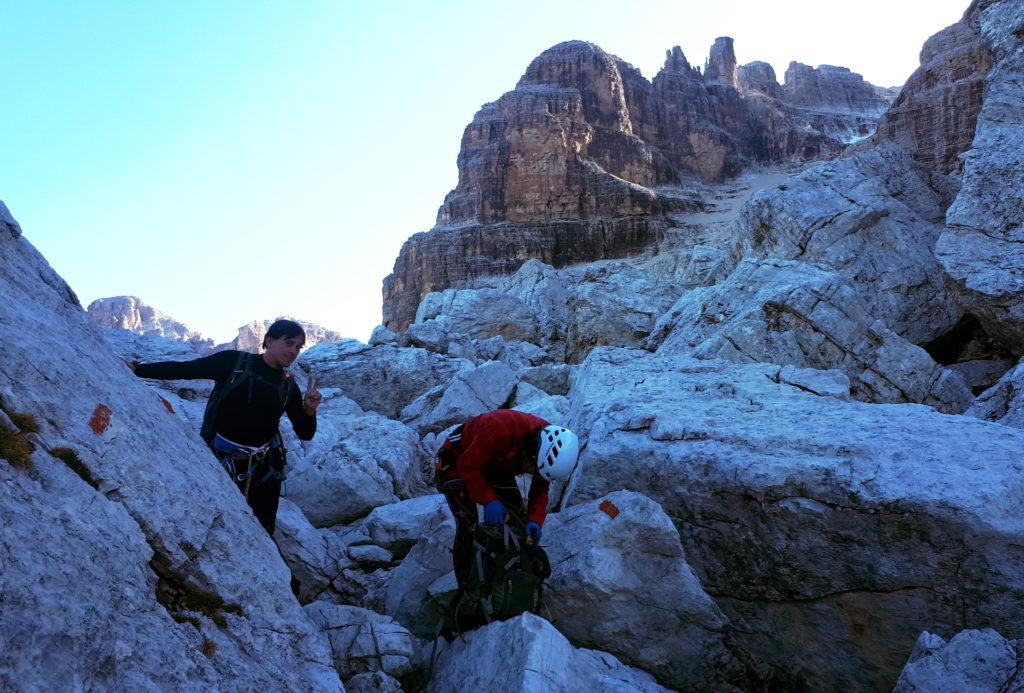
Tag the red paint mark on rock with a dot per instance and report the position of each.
(609, 509)
(167, 405)
(100, 420)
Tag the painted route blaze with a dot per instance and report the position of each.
(167, 405)
(609, 509)
(100, 420)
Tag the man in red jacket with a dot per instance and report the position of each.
(480, 460)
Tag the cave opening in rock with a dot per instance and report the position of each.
(970, 351)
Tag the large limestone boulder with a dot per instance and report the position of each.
(316, 558)
(356, 462)
(384, 378)
(486, 387)
(614, 304)
(363, 641)
(983, 250)
(873, 217)
(795, 314)
(980, 661)
(1003, 402)
(830, 532)
(620, 583)
(130, 559)
(527, 654)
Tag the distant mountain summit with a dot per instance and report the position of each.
(132, 314)
(585, 158)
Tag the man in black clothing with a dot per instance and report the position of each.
(241, 424)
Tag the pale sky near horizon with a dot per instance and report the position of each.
(232, 161)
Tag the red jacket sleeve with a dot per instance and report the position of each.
(537, 507)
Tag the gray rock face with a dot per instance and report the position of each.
(486, 387)
(831, 87)
(1004, 402)
(623, 554)
(721, 64)
(100, 579)
(981, 661)
(983, 251)
(935, 114)
(759, 76)
(363, 641)
(383, 378)
(829, 532)
(874, 218)
(794, 314)
(130, 313)
(356, 462)
(527, 654)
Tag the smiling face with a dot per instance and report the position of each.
(282, 351)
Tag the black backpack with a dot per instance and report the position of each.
(505, 578)
(241, 374)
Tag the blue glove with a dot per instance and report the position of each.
(494, 513)
(533, 530)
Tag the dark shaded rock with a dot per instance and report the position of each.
(759, 76)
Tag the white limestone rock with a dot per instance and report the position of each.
(478, 314)
(527, 654)
(363, 641)
(486, 387)
(873, 217)
(83, 606)
(553, 379)
(1003, 402)
(829, 532)
(552, 408)
(621, 554)
(979, 661)
(316, 558)
(613, 303)
(356, 462)
(383, 378)
(373, 682)
(795, 314)
(250, 336)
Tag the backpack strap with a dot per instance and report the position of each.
(222, 390)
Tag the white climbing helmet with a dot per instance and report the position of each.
(559, 450)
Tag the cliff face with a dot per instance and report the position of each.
(831, 88)
(572, 164)
(130, 313)
(935, 116)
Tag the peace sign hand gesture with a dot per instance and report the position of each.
(312, 398)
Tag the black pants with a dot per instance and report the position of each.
(464, 510)
(260, 483)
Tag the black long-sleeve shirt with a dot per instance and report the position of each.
(237, 419)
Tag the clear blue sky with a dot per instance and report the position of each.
(231, 161)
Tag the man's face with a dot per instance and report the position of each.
(283, 351)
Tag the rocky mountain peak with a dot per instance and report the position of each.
(831, 87)
(721, 64)
(759, 76)
(676, 63)
(132, 314)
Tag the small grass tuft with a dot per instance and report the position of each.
(209, 648)
(75, 464)
(181, 598)
(16, 449)
(26, 423)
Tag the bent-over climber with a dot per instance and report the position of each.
(251, 394)
(479, 461)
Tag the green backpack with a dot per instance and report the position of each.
(505, 578)
(241, 374)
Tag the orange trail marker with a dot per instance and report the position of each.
(100, 420)
(609, 508)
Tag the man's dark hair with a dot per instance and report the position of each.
(283, 328)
